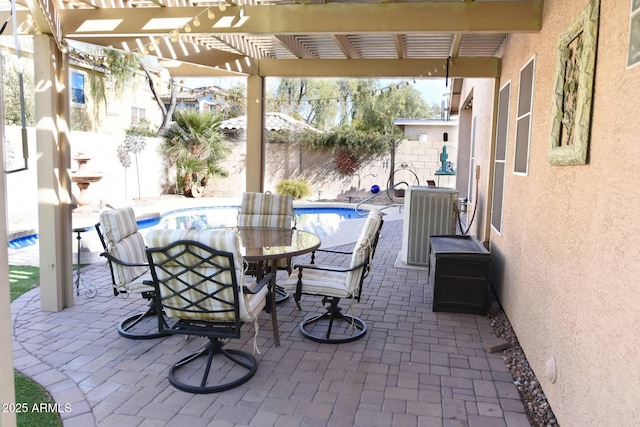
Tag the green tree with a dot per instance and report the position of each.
(364, 111)
(314, 101)
(377, 110)
(235, 104)
(122, 67)
(325, 103)
(12, 106)
(195, 147)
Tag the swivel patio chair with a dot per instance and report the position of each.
(334, 283)
(124, 249)
(268, 211)
(199, 278)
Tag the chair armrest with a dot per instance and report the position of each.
(119, 261)
(333, 251)
(327, 268)
(261, 284)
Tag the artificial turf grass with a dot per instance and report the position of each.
(34, 406)
(29, 393)
(22, 278)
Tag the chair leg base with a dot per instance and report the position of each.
(212, 348)
(281, 294)
(331, 316)
(126, 327)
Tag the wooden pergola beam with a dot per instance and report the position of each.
(358, 18)
(480, 67)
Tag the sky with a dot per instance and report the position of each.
(432, 89)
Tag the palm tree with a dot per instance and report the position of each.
(195, 147)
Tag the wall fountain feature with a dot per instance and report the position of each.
(83, 177)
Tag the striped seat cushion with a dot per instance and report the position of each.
(363, 249)
(207, 307)
(266, 210)
(266, 204)
(340, 284)
(319, 282)
(264, 221)
(125, 243)
(118, 223)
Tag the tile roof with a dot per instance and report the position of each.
(273, 121)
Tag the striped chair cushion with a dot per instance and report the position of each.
(207, 309)
(339, 284)
(125, 243)
(264, 221)
(266, 204)
(363, 249)
(131, 249)
(118, 223)
(267, 210)
(319, 282)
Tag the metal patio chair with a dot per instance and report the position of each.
(199, 279)
(335, 283)
(268, 211)
(124, 249)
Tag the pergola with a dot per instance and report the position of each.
(254, 38)
(292, 38)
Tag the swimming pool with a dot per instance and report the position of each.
(327, 222)
(24, 241)
(322, 221)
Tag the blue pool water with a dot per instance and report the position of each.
(323, 221)
(22, 242)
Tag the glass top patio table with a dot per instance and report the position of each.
(269, 245)
(260, 244)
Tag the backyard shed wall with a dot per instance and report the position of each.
(566, 263)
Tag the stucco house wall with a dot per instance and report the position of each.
(136, 93)
(107, 110)
(566, 264)
(476, 124)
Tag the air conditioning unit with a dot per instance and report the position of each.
(427, 211)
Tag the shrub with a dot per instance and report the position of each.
(297, 189)
(144, 127)
(350, 148)
(197, 149)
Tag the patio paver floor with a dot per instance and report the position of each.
(414, 367)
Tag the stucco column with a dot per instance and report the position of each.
(255, 134)
(54, 182)
(7, 391)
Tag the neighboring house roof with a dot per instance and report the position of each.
(273, 121)
(98, 60)
(198, 93)
(95, 60)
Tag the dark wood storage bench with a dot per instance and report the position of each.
(459, 273)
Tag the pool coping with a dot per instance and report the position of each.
(147, 209)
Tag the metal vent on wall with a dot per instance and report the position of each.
(428, 211)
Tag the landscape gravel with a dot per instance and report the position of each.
(536, 407)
